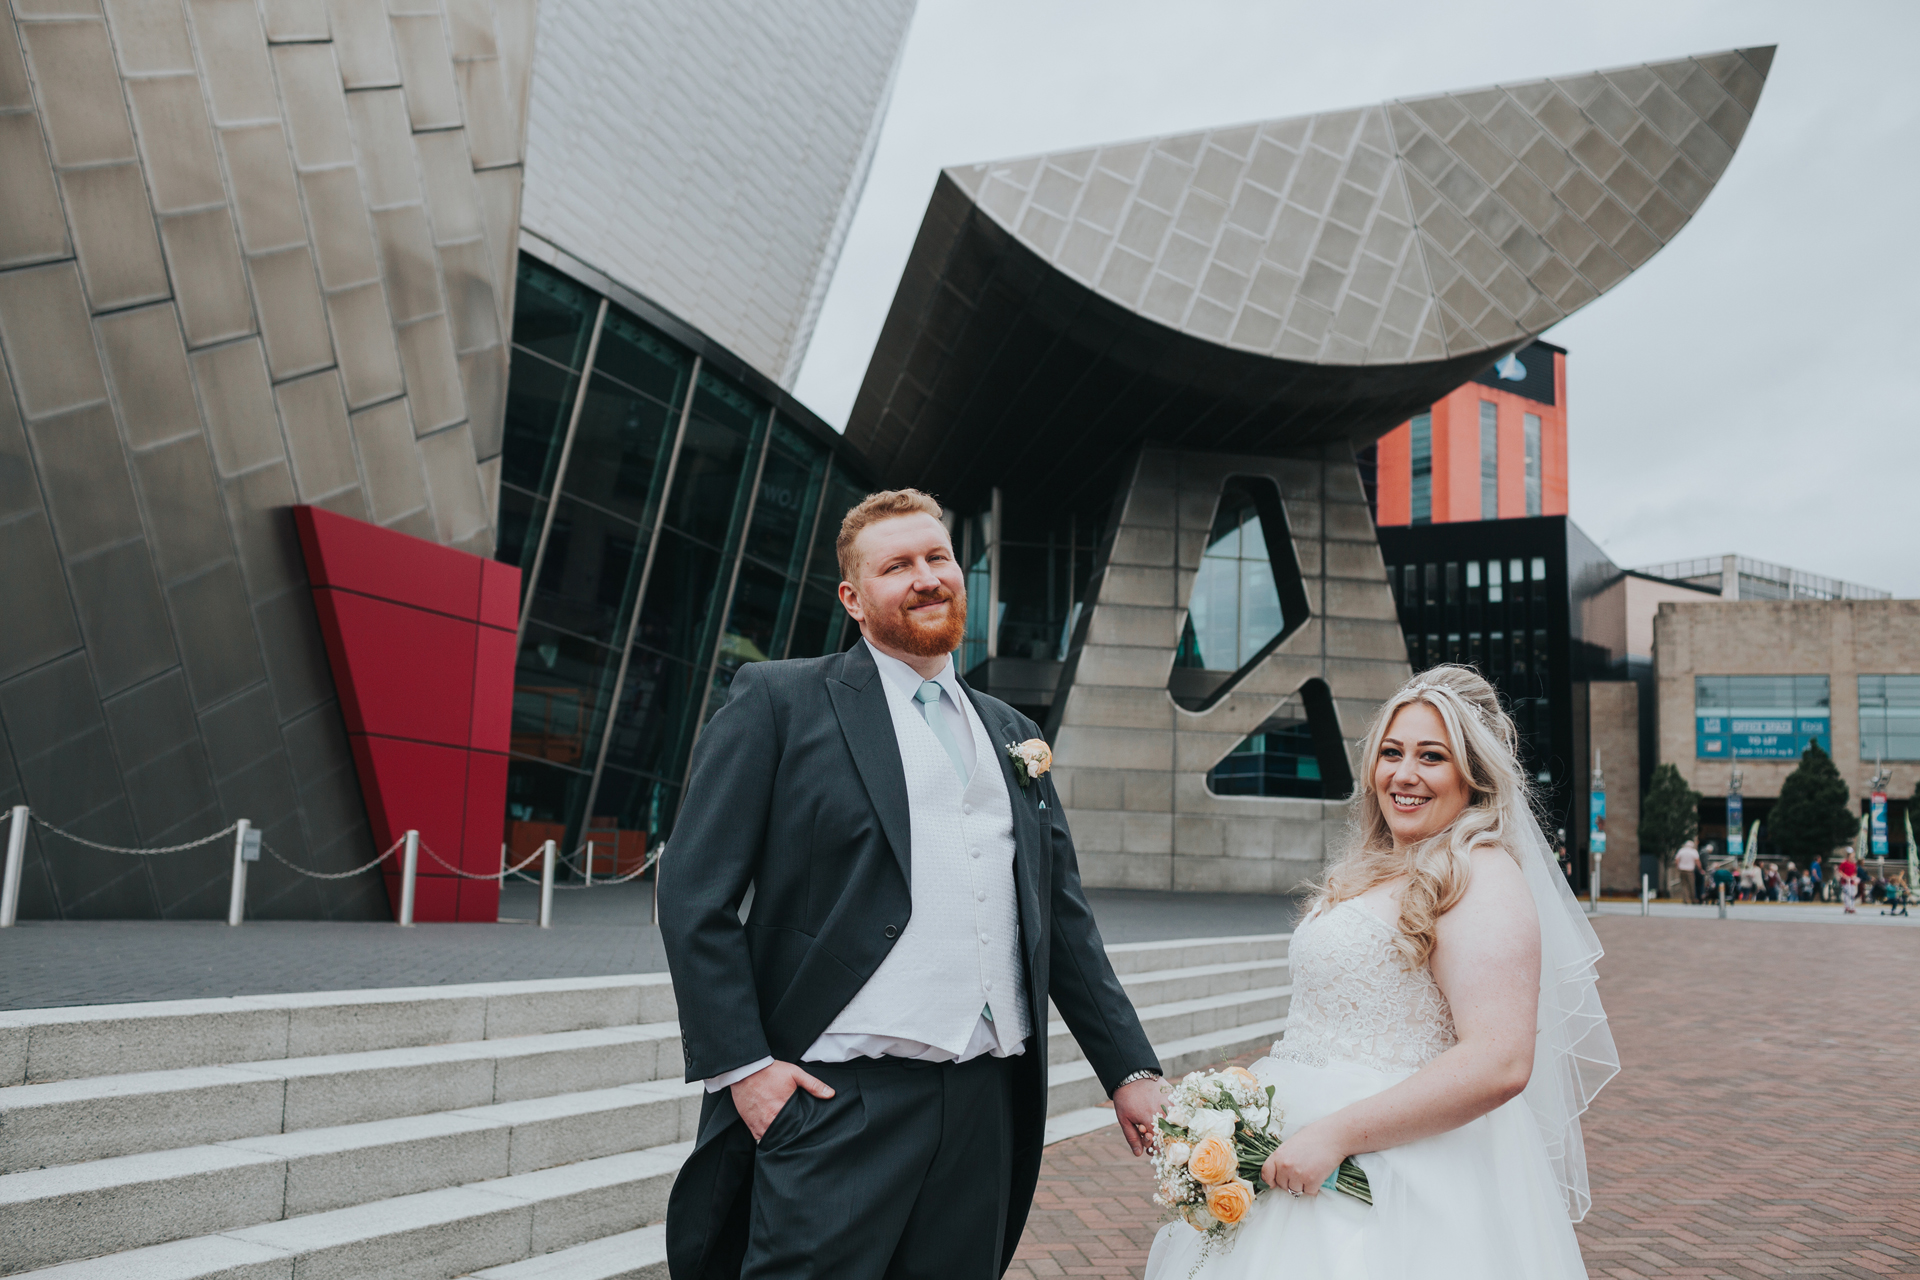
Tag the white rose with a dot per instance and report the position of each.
(1177, 1153)
(1255, 1116)
(1208, 1123)
(1179, 1116)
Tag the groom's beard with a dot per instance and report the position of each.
(912, 633)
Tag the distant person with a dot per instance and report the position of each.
(1686, 865)
(1849, 882)
(1818, 875)
(1896, 895)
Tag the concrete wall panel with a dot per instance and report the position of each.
(209, 208)
(1134, 762)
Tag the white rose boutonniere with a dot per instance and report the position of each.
(1031, 759)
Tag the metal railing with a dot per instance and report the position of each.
(248, 845)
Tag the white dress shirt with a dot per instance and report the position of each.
(1001, 1034)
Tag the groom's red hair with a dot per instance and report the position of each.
(872, 509)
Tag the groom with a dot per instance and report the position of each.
(872, 1027)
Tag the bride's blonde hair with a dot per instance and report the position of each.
(1485, 749)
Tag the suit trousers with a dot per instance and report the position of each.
(904, 1174)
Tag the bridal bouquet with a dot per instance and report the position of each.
(1218, 1129)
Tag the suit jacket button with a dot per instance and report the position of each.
(891, 932)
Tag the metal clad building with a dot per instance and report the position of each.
(256, 255)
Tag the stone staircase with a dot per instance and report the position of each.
(511, 1131)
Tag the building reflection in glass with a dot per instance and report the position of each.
(673, 516)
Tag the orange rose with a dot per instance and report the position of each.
(1230, 1201)
(1213, 1161)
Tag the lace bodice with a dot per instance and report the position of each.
(1355, 1001)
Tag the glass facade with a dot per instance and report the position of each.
(1761, 717)
(1235, 611)
(1530, 427)
(1277, 760)
(1889, 717)
(1490, 461)
(1493, 614)
(671, 525)
(1040, 568)
(1422, 491)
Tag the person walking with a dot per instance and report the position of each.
(1686, 865)
(1849, 882)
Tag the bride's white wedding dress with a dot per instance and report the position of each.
(1481, 1202)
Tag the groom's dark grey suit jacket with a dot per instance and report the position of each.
(797, 788)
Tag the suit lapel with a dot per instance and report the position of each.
(860, 702)
(1030, 832)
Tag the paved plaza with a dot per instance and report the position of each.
(603, 930)
(1766, 1121)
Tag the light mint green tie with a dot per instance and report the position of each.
(928, 698)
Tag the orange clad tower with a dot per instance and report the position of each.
(1494, 448)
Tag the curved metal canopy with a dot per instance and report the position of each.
(1274, 285)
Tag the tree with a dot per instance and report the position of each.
(1670, 814)
(1814, 813)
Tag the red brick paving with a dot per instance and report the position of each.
(1766, 1121)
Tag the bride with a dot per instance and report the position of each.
(1444, 1029)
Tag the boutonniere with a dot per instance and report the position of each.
(1031, 759)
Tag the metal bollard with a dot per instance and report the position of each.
(1645, 909)
(589, 864)
(16, 856)
(409, 871)
(659, 860)
(548, 851)
(1723, 900)
(237, 896)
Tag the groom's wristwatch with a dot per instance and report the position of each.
(1137, 1076)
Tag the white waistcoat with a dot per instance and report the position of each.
(961, 950)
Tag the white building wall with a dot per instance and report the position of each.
(710, 155)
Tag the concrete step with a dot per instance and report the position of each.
(631, 1255)
(1182, 1019)
(431, 1235)
(1185, 953)
(1074, 1086)
(1164, 986)
(38, 1045)
(74, 1120)
(103, 1206)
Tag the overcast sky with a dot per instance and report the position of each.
(1754, 388)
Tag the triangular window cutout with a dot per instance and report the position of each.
(1296, 753)
(1247, 596)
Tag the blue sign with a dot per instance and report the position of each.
(1722, 737)
(1736, 829)
(1597, 823)
(1877, 823)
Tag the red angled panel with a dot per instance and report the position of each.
(401, 672)
(492, 691)
(351, 554)
(420, 639)
(499, 595)
(417, 786)
(486, 819)
(436, 899)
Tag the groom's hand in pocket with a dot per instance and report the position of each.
(762, 1095)
(1135, 1106)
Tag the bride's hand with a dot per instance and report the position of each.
(1303, 1161)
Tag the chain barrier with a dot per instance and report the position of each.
(223, 832)
(632, 875)
(474, 875)
(334, 875)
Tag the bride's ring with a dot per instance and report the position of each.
(1293, 1193)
